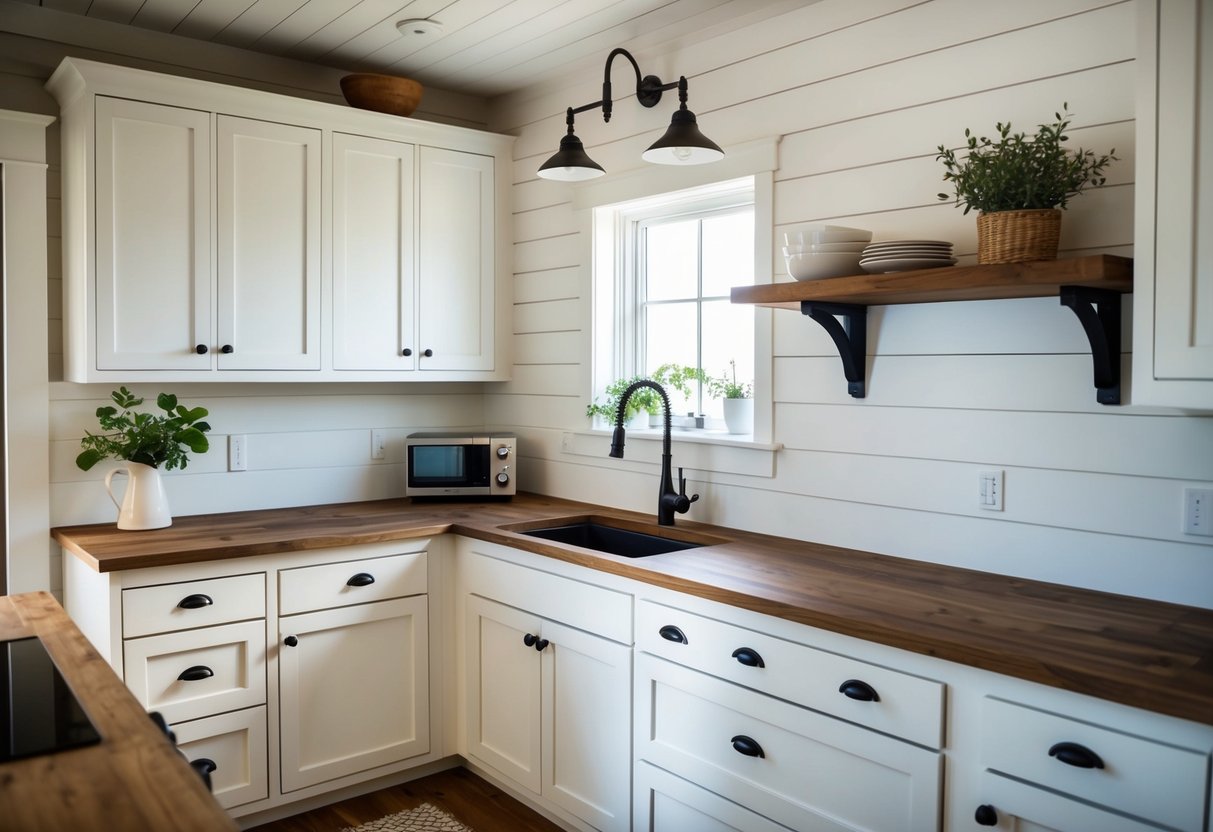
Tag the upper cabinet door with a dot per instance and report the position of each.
(269, 245)
(455, 272)
(1173, 291)
(373, 254)
(153, 244)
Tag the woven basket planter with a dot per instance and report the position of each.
(1018, 236)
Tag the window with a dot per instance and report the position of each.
(662, 285)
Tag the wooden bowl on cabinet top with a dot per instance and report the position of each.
(381, 93)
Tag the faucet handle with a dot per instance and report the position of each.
(682, 492)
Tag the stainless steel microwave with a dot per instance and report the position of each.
(460, 464)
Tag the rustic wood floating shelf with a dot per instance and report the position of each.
(1091, 287)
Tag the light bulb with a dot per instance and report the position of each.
(683, 153)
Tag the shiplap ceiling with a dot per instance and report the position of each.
(485, 47)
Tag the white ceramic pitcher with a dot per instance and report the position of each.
(144, 505)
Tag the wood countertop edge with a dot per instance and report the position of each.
(1171, 680)
(133, 779)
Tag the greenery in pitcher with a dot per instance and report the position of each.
(1019, 172)
(150, 438)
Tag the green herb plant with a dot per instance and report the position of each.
(645, 399)
(150, 438)
(1020, 172)
(727, 387)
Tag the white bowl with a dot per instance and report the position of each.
(814, 234)
(815, 265)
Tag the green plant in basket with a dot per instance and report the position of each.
(157, 440)
(1021, 172)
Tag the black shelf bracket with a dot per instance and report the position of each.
(850, 336)
(1098, 311)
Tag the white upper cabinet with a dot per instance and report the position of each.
(153, 232)
(374, 256)
(269, 246)
(227, 234)
(455, 331)
(1173, 283)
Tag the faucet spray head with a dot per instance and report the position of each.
(617, 442)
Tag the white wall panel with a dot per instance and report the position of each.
(861, 96)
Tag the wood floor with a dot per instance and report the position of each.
(473, 801)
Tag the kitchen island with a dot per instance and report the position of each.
(1136, 652)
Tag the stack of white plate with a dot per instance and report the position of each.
(906, 255)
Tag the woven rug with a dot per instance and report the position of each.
(425, 818)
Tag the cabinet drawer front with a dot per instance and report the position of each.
(665, 803)
(1031, 809)
(170, 607)
(332, 585)
(803, 769)
(158, 670)
(235, 743)
(905, 706)
(1161, 783)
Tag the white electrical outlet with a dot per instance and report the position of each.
(989, 490)
(378, 444)
(237, 453)
(1198, 511)
(566, 442)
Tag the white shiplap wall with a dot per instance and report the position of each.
(861, 94)
(307, 443)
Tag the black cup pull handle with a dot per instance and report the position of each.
(529, 640)
(196, 673)
(361, 579)
(747, 746)
(541, 645)
(671, 633)
(749, 657)
(195, 602)
(856, 689)
(290, 641)
(985, 815)
(1073, 754)
(163, 725)
(204, 766)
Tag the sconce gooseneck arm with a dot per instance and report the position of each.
(648, 89)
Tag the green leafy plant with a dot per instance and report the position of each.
(1019, 172)
(727, 386)
(151, 438)
(645, 399)
(679, 377)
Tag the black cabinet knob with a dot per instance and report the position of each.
(196, 673)
(227, 349)
(361, 579)
(201, 349)
(748, 657)
(1073, 754)
(428, 353)
(406, 352)
(529, 640)
(856, 689)
(541, 645)
(747, 746)
(985, 815)
(195, 602)
(290, 641)
(671, 633)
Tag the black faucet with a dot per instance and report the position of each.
(669, 501)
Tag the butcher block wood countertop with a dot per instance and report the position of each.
(1137, 652)
(132, 779)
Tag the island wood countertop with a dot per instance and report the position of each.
(132, 779)
(1137, 652)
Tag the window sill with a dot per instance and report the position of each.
(701, 450)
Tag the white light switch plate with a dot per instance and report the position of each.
(1198, 511)
(989, 490)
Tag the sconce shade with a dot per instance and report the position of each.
(683, 144)
(570, 163)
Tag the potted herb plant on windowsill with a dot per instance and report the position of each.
(144, 442)
(644, 403)
(1020, 184)
(737, 398)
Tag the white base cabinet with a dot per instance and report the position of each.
(548, 704)
(294, 675)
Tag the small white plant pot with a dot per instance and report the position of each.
(144, 504)
(739, 415)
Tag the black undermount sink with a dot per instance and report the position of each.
(611, 539)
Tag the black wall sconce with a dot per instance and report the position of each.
(682, 143)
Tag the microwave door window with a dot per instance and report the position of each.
(438, 465)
